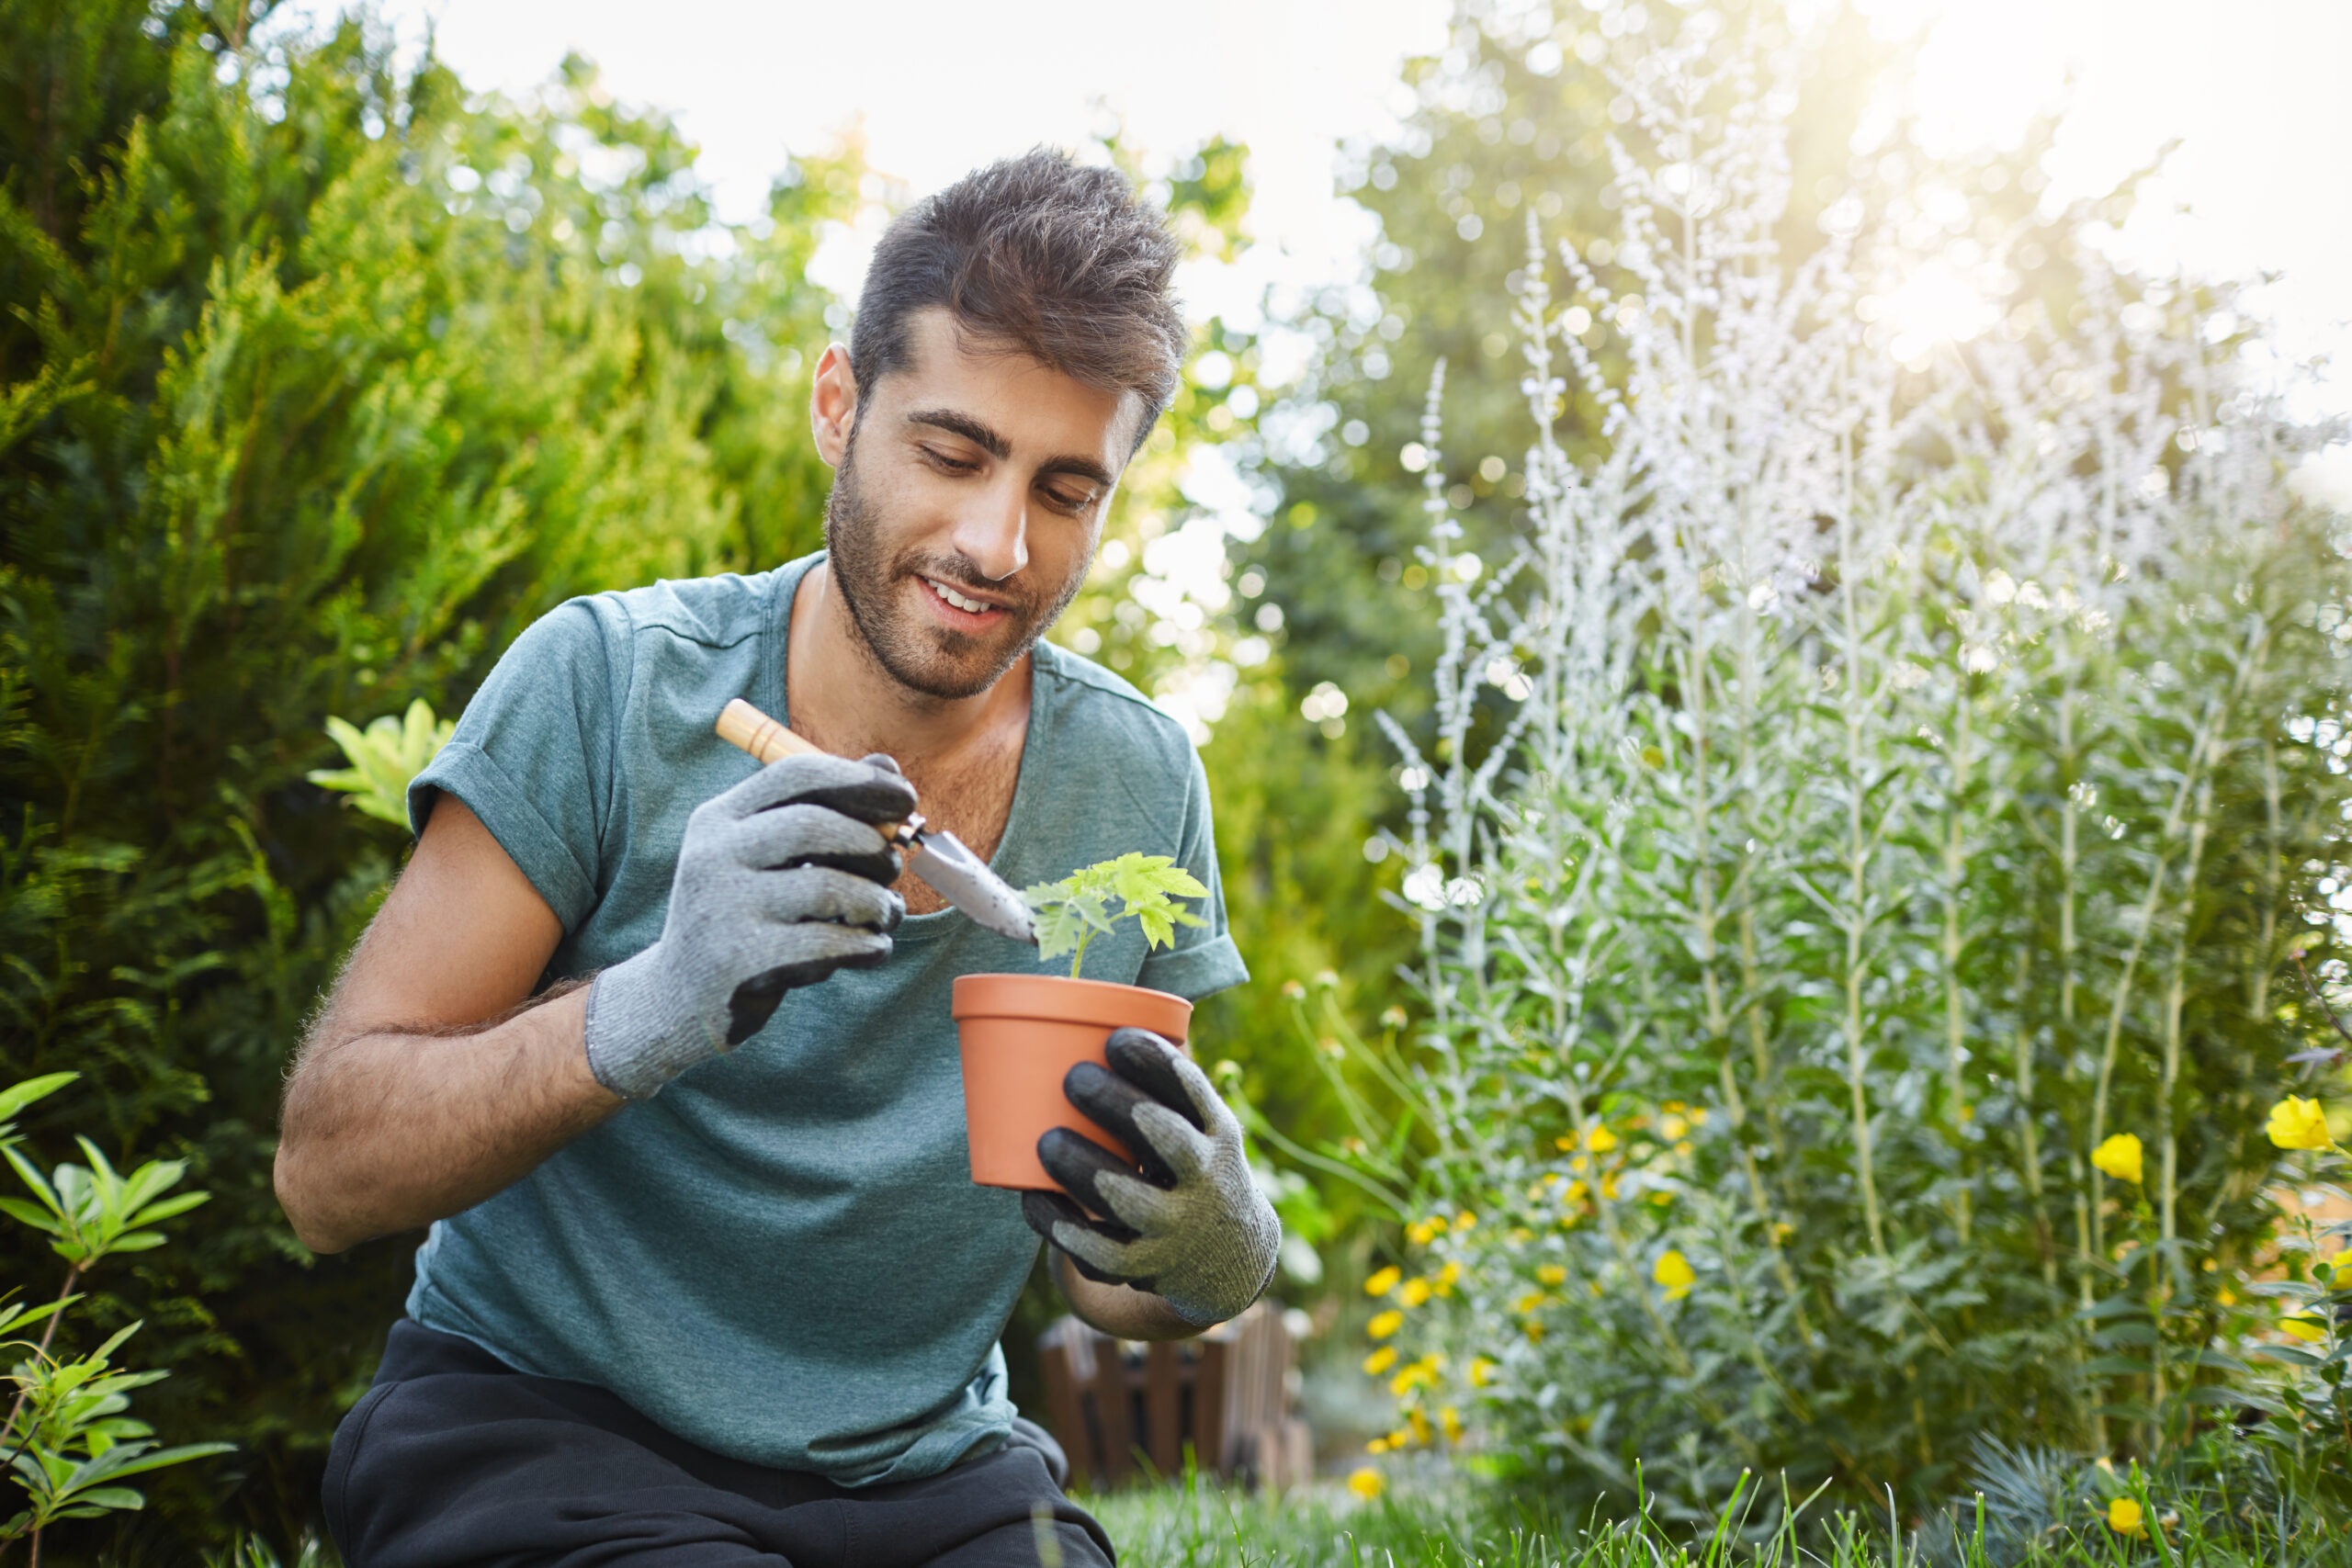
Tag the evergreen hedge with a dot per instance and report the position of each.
(318, 380)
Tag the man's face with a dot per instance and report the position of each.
(969, 495)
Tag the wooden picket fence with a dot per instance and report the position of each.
(1123, 1411)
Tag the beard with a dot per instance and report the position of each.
(915, 651)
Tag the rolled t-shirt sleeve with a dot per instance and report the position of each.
(1203, 959)
(532, 756)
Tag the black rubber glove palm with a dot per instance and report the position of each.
(1189, 1224)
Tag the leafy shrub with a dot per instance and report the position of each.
(1868, 818)
(70, 1446)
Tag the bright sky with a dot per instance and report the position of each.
(2254, 91)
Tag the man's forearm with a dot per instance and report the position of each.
(1121, 1311)
(389, 1131)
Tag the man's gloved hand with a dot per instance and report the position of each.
(780, 881)
(1191, 1225)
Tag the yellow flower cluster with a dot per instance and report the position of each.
(1422, 1232)
(1417, 1374)
(1673, 1271)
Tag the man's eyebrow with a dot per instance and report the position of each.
(970, 429)
(997, 446)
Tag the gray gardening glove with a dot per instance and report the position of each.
(780, 881)
(1191, 1225)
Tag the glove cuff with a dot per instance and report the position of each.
(639, 1034)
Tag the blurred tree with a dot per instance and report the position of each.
(318, 380)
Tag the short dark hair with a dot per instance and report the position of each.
(1039, 256)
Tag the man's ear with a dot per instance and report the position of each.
(832, 404)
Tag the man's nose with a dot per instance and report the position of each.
(993, 532)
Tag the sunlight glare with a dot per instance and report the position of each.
(1934, 306)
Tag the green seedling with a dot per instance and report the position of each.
(1075, 910)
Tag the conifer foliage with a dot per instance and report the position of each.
(317, 382)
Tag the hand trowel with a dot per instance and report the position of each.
(939, 857)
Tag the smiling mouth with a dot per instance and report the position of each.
(956, 601)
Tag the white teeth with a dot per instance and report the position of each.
(974, 605)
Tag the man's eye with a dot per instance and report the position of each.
(947, 464)
(1064, 500)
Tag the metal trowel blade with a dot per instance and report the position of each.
(962, 878)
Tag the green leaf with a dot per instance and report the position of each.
(16, 1097)
(180, 1204)
(30, 1214)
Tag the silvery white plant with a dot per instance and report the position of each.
(1874, 794)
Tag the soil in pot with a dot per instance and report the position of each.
(1020, 1034)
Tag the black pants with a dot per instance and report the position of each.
(455, 1459)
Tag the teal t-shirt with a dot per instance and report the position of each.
(782, 1256)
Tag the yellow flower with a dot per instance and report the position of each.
(1601, 1140)
(1415, 1292)
(1564, 1144)
(1382, 1281)
(2304, 1327)
(1482, 1370)
(1366, 1483)
(1551, 1274)
(1380, 1360)
(1521, 1235)
(1672, 1127)
(2119, 1157)
(1534, 1327)
(1673, 1271)
(2227, 1297)
(1447, 1276)
(1661, 1198)
(1698, 1116)
(1420, 1232)
(2123, 1515)
(1465, 1220)
(1420, 1426)
(1450, 1419)
(1528, 1303)
(2299, 1123)
(1782, 1230)
(1608, 1188)
(1408, 1379)
(1385, 1323)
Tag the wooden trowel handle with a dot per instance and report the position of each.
(741, 724)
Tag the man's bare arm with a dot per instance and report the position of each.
(1120, 1311)
(422, 1090)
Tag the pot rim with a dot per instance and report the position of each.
(1056, 997)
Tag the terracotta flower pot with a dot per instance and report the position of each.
(1020, 1034)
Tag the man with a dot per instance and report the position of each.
(658, 1043)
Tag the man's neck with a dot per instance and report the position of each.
(839, 695)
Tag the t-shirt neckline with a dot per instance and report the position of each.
(1034, 742)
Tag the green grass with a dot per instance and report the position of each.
(1202, 1524)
